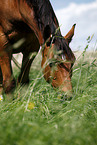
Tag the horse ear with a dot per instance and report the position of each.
(69, 35)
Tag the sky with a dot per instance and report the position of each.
(84, 14)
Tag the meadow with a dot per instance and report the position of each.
(38, 115)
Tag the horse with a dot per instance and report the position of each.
(35, 22)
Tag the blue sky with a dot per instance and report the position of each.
(58, 4)
(81, 12)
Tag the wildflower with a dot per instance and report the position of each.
(31, 105)
(59, 97)
(1, 98)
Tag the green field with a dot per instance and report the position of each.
(38, 116)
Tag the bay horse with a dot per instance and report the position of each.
(35, 22)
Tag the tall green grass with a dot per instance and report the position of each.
(37, 115)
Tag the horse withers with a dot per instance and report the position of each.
(34, 21)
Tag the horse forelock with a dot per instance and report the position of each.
(63, 47)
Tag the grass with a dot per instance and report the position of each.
(38, 116)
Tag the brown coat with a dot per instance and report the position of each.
(35, 22)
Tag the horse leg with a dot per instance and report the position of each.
(1, 77)
(31, 45)
(5, 63)
(8, 81)
(24, 74)
(1, 80)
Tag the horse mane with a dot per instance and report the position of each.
(44, 14)
(48, 23)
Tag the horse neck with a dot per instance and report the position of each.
(43, 15)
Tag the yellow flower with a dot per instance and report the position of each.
(1, 98)
(59, 97)
(31, 105)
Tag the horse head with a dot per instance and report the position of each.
(57, 60)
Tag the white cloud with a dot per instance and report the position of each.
(85, 16)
